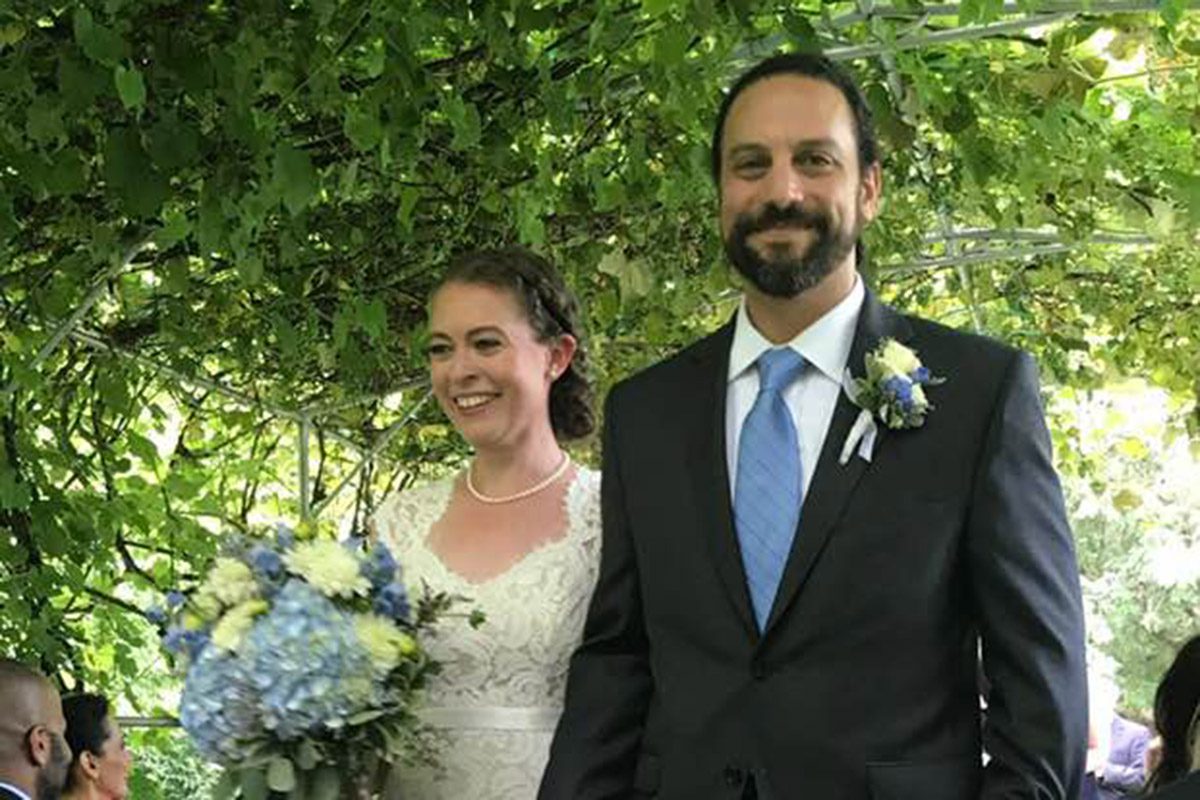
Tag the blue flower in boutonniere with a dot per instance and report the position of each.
(892, 392)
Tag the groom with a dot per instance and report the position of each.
(770, 622)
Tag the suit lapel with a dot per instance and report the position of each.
(709, 470)
(834, 483)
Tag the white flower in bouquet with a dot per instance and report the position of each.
(230, 583)
(383, 640)
(329, 567)
(229, 631)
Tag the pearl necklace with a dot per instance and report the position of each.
(521, 495)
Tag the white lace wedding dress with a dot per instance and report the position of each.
(500, 691)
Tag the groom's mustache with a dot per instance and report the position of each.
(772, 216)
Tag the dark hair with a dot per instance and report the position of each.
(809, 65)
(1176, 704)
(551, 310)
(87, 729)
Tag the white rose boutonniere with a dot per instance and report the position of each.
(892, 392)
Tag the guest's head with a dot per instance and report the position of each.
(796, 164)
(101, 763)
(34, 755)
(1177, 716)
(504, 350)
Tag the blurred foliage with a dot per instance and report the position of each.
(1130, 471)
(167, 767)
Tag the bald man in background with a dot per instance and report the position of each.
(34, 755)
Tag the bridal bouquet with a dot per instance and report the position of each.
(303, 661)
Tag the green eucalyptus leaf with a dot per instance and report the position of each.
(326, 784)
(281, 775)
(253, 783)
(225, 787)
(307, 756)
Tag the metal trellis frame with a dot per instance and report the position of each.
(984, 257)
(305, 418)
(375, 450)
(89, 300)
(953, 10)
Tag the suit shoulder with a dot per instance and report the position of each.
(962, 347)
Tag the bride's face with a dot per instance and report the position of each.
(489, 372)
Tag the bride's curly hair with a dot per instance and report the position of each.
(552, 311)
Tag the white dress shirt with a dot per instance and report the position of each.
(825, 346)
(14, 790)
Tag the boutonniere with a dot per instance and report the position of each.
(893, 392)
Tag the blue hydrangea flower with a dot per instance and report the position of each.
(157, 615)
(306, 663)
(392, 602)
(921, 375)
(180, 641)
(173, 640)
(285, 537)
(266, 562)
(194, 641)
(175, 599)
(218, 708)
(380, 566)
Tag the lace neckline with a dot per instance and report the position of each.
(573, 500)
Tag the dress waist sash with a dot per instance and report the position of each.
(504, 718)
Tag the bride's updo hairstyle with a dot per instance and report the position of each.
(551, 310)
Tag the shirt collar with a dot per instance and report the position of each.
(825, 344)
(14, 789)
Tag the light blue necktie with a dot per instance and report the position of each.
(766, 503)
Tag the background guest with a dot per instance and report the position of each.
(1123, 773)
(1177, 720)
(1116, 762)
(100, 768)
(33, 753)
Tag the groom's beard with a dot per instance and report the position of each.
(49, 784)
(783, 272)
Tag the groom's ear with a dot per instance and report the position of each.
(871, 190)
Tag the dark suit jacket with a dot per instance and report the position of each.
(863, 683)
(1187, 788)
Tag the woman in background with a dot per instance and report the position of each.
(100, 763)
(1175, 763)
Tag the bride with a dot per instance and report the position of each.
(517, 531)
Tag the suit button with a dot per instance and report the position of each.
(734, 776)
(758, 670)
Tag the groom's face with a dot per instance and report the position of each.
(793, 197)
